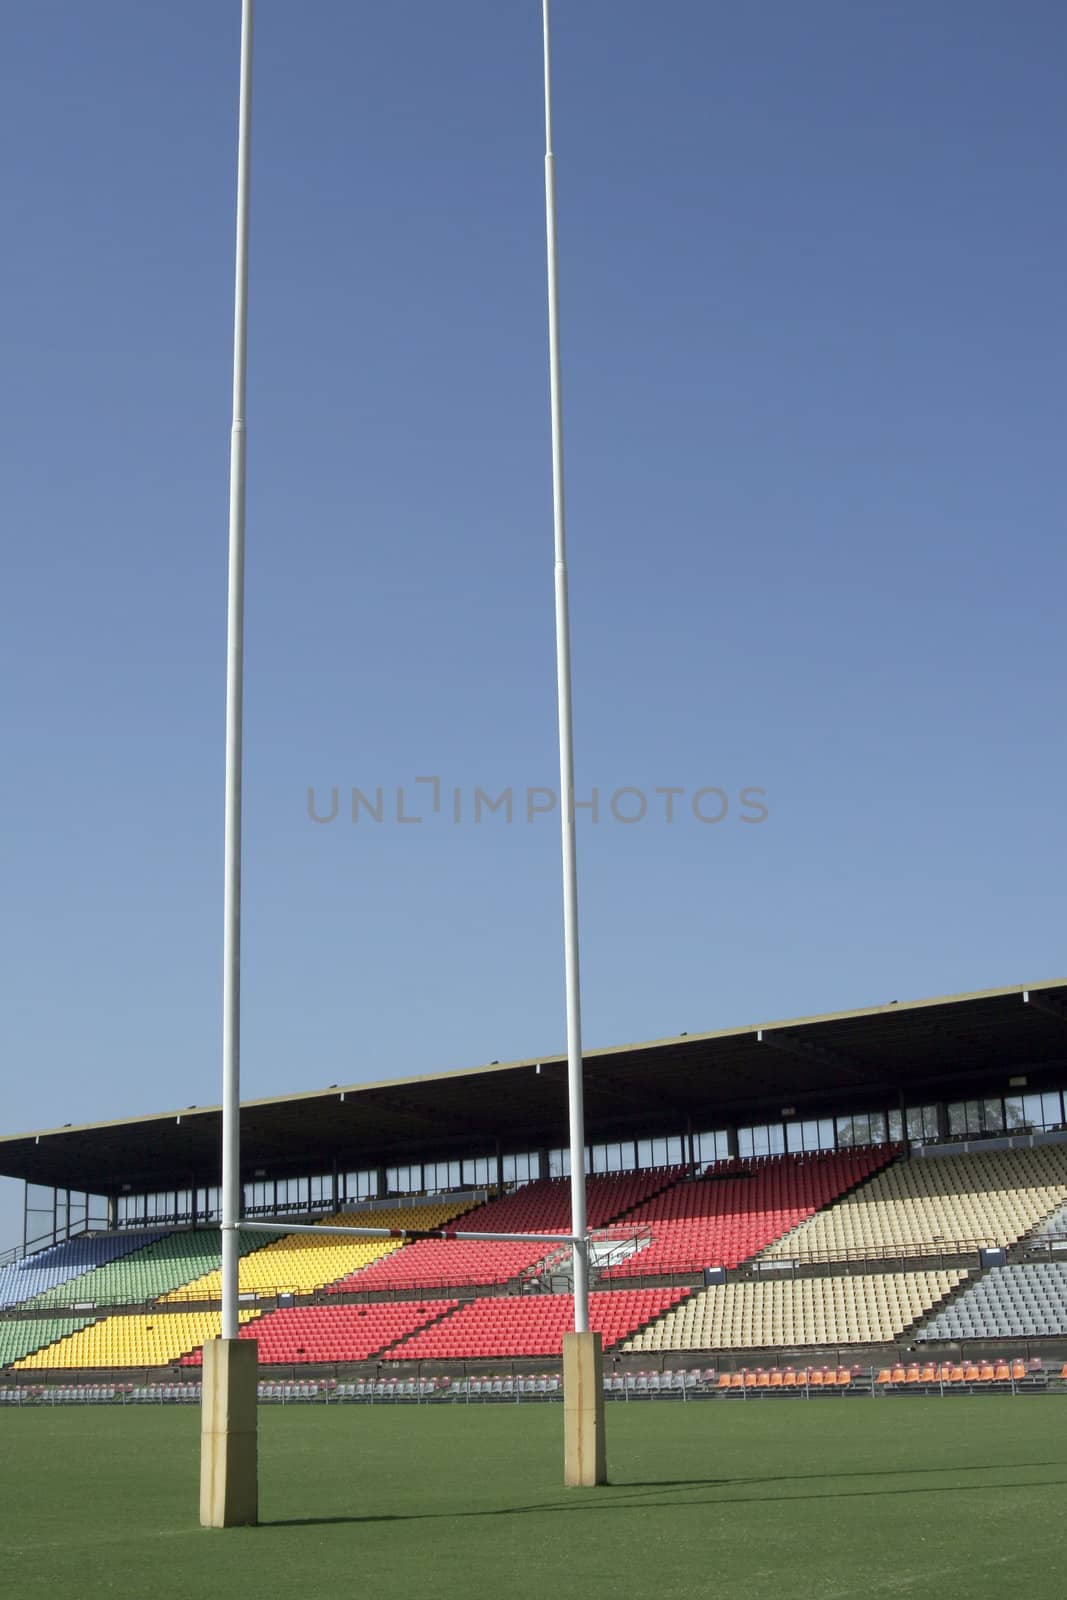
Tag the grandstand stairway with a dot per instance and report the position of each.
(1047, 1240)
(615, 1245)
(957, 1292)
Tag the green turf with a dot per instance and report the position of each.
(957, 1499)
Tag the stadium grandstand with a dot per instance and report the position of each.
(784, 1205)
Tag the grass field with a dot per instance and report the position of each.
(942, 1498)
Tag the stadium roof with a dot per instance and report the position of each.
(881, 1056)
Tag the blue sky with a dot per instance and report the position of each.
(813, 332)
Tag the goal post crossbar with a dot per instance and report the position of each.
(406, 1233)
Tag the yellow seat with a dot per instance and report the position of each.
(155, 1339)
(300, 1263)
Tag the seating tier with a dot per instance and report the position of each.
(33, 1278)
(445, 1264)
(23, 1336)
(794, 1312)
(929, 1205)
(739, 1207)
(153, 1270)
(532, 1325)
(1018, 1302)
(543, 1206)
(299, 1263)
(153, 1340)
(304, 1334)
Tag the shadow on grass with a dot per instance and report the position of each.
(808, 1477)
(619, 1496)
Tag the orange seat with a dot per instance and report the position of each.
(844, 1376)
(737, 1380)
(777, 1378)
(1063, 1370)
(898, 1373)
(815, 1378)
(912, 1375)
(884, 1376)
(724, 1380)
(751, 1379)
(1018, 1370)
(929, 1373)
(971, 1373)
(985, 1374)
(789, 1379)
(1003, 1372)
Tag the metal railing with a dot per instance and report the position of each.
(939, 1252)
(941, 1379)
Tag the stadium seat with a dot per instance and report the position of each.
(739, 1207)
(1018, 1301)
(854, 1309)
(929, 1205)
(155, 1340)
(23, 1336)
(531, 1325)
(153, 1268)
(539, 1207)
(300, 1263)
(296, 1335)
(56, 1276)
